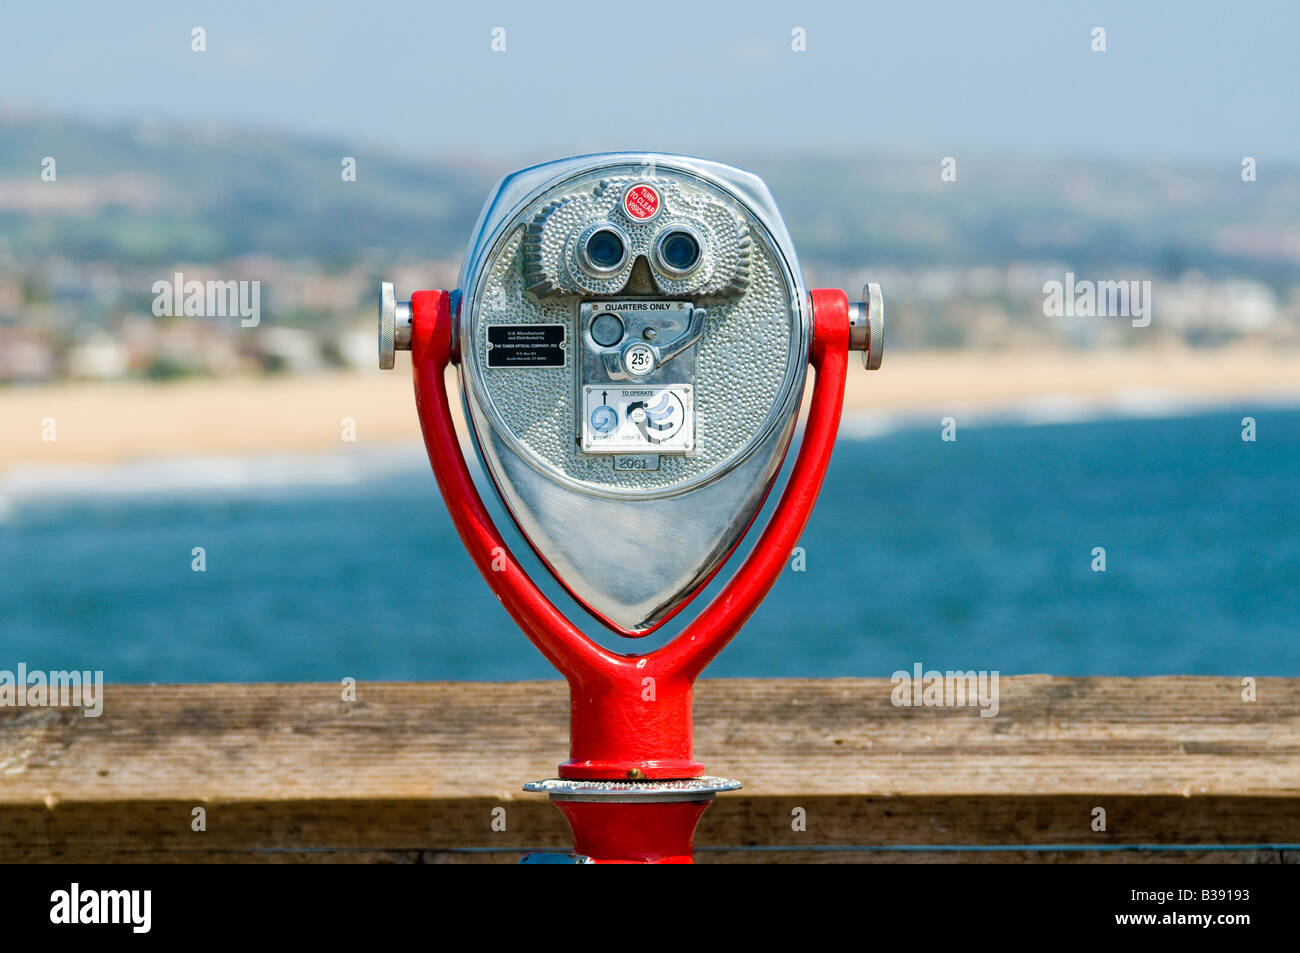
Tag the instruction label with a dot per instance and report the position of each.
(659, 418)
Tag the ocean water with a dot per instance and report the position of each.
(971, 554)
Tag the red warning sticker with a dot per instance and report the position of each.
(641, 202)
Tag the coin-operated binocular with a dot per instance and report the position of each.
(632, 335)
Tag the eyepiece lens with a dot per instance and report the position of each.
(605, 249)
(680, 251)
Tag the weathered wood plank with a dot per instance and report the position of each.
(415, 770)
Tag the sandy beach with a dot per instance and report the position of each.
(119, 422)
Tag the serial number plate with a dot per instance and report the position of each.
(636, 462)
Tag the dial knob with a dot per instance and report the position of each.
(394, 326)
(867, 326)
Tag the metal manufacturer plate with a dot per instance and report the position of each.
(525, 345)
(651, 419)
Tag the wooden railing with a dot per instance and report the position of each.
(1183, 768)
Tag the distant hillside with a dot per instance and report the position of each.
(151, 194)
(1089, 215)
(147, 194)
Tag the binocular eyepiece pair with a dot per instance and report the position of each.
(604, 249)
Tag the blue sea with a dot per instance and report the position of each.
(976, 553)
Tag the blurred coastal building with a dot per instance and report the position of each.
(76, 322)
(67, 322)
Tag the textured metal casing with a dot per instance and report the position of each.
(632, 545)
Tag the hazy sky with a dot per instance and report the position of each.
(1191, 80)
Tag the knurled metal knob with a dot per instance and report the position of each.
(867, 326)
(394, 326)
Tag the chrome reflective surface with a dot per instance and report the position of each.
(633, 544)
(867, 326)
(632, 792)
(631, 561)
(394, 326)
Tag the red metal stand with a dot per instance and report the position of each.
(630, 715)
(650, 833)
